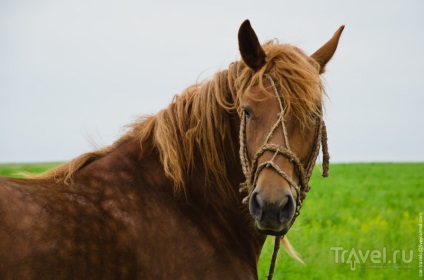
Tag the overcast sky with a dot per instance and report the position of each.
(74, 73)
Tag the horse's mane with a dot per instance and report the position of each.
(200, 123)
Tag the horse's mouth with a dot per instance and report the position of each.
(279, 231)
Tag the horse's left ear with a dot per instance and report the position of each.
(250, 48)
(326, 52)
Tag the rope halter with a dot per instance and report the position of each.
(251, 169)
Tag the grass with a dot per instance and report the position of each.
(365, 207)
(365, 212)
(13, 170)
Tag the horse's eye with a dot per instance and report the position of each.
(247, 113)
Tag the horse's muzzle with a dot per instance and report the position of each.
(272, 218)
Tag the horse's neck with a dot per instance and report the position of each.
(226, 222)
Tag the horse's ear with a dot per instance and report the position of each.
(326, 52)
(250, 48)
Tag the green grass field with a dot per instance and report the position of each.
(360, 223)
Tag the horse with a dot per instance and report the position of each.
(188, 193)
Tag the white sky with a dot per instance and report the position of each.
(73, 73)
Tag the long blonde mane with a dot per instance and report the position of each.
(201, 123)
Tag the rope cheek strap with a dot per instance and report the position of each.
(251, 169)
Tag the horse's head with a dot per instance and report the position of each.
(281, 125)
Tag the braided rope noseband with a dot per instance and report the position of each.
(251, 169)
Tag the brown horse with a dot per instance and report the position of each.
(163, 201)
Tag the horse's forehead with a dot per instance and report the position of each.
(259, 91)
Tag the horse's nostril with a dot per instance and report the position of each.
(287, 209)
(255, 206)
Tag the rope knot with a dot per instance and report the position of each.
(245, 187)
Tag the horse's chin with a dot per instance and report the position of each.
(277, 232)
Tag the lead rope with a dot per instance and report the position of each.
(252, 169)
(274, 258)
